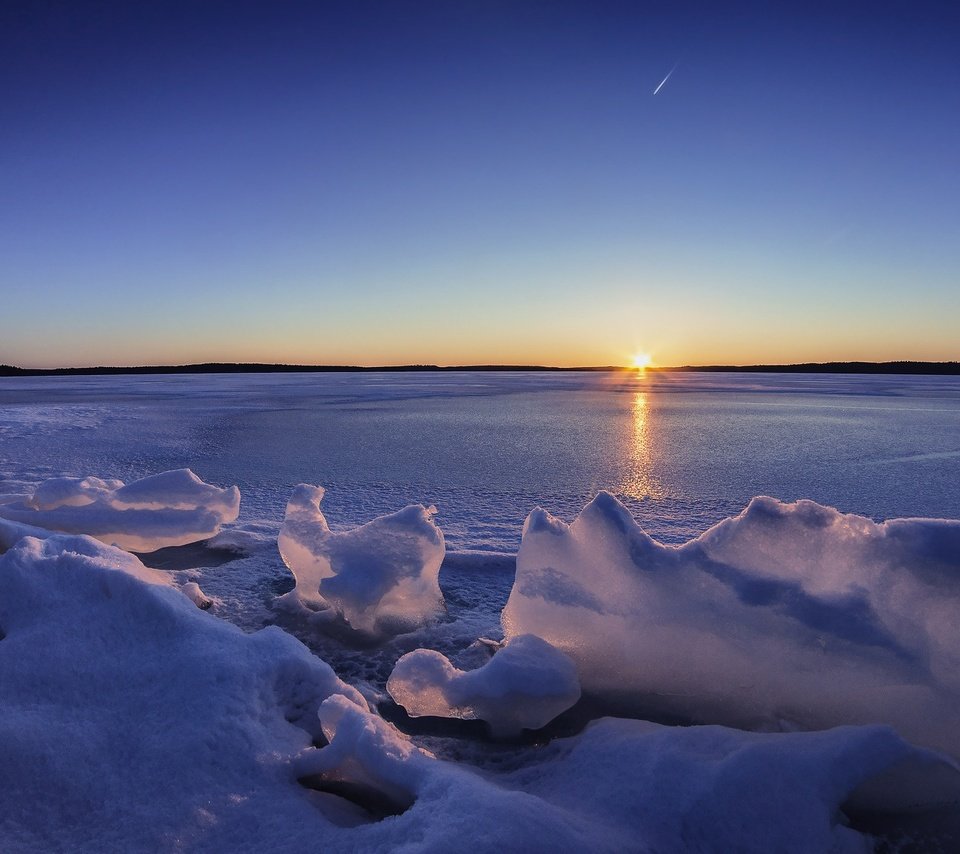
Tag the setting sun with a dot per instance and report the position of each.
(642, 360)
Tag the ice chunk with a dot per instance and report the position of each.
(71, 492)
(193, 592)
(180, 489)
(381, 577)
(364, 752)
(789, 615)
(246, 539)
(524, 686)
(168, 509)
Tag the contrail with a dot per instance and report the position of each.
(665, 79)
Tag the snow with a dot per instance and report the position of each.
(13, 532)
(131, 720)
(787, 616)
(172, 508)
(525, 685)
(380, 577)
(625, 785)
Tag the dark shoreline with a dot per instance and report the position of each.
(926, 368)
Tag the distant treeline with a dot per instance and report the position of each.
(935, 368)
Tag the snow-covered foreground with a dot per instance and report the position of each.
(132, 719)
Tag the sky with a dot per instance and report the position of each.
(478, 182)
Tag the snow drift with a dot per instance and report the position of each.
(525, 685)
(172, 508)
(787, 616)
(626, 785)
(131, 720)
(380, 577)
(114, 685)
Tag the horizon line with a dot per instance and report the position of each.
(857, 367)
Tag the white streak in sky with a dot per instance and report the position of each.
(665, 79)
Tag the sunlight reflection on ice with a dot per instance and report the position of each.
(639, 480)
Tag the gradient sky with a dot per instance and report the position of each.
(467, 182)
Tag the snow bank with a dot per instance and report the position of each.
(168, 509)
(131, 720)
(380, 577)
(13, 532)
(525, 685)
(787, 616)
(629, 786)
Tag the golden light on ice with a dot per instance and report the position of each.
(642, 360)
(641, 451)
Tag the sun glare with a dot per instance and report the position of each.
(642, 361)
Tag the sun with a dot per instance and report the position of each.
(642, 361)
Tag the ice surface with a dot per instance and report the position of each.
(172, 508)
(381, 577)
(488, 447)
(525, 685)
(789, 615)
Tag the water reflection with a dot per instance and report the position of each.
(639, 480)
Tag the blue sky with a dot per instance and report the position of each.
(385, 183)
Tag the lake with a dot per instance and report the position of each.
(682, 450)
(795, 624)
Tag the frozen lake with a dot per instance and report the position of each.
(682, 450)
(788, 617)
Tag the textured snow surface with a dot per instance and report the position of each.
(787, 616)
(167, 509)
(625, 785)
(133, 721)
(525, 685)
(380, 577)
